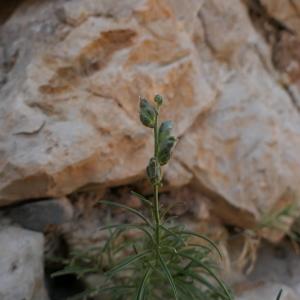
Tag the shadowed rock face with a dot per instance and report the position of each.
(73, 71)
(7, 8)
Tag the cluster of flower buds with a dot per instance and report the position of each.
(164, 142)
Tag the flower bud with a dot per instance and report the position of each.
(147, 113)
(153, 171)
(164, 153)
(158, 99)
(164, 131)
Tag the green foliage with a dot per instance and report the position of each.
(164, 260)
(280, 221)
(277, 219)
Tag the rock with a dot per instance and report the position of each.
(79, 77)
(278, 264)
(286, 12)
(276, 267)
(234, 150)
(75, 72)
(269, 291)
(37, 216)
(176, 175)
(284, 37)
(21, 265)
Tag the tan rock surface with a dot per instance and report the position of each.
(73, 118)
(69, 98)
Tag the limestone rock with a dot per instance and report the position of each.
(69, 106)
(21, 265)
(243, 149)
(69, 98)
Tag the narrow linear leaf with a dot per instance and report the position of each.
(142, 198)
(205, 248)
(126, 262)
(209, 271)
(177, 236)
(129, 226)
(203, 281)
(169, 275)
(127, 244)
(132, 210)
(186, 289)
(213, 244)
(79, 271)
(141, 290)
(166, 210)
(108, 246)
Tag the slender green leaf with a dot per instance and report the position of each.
(79, 271)
(108, 245)
(169, 275)
(213, 244)
(129, 226)
(142, 198)
(141, 289)
(186, 289)
(126, 262)
(128, 244)
(202, 280)
(177, 236)
(132, 210)
(166, 210)
(209, 271)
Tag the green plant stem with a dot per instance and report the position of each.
(156, 187)
(157, 217)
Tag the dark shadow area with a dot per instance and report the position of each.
(63, 287)
(7, 8)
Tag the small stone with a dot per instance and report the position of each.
(39, 215)
(21, 265)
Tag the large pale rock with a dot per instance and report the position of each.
(244, 149)
(69, 99)
(69, 107)
(21, 265)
